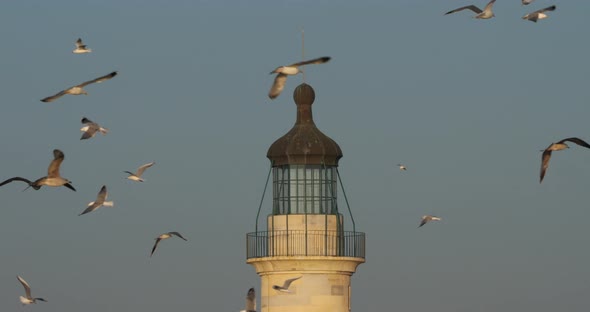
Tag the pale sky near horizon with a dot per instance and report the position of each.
(465, 104)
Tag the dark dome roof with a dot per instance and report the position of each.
(304, 143)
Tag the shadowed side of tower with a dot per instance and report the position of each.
(305, 233)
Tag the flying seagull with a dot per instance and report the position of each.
(557, 147)
(250, 301)
(137, 176)
(485, 14)
(81, 47)
(77, 90)
(91, 128)
(28, 299)
(539, 14)
(527, 2)
(53, 177)
(165, 236)
(100, 201)
(293, 69)
(402, 167)
(428, 218)
(286, 284)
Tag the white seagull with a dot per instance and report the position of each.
(79, 89)
(28, 299)
(293, 69)
(99, 202)
(428, 218)
(527, 2)
(137, 176)
(286, 284)
(53, 177)
(485, 14)
(402, 167)
(81, 47)
(557, 147)
(250, 301)
(91, 128)
(164, 236)
(539, 14)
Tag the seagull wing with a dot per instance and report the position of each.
(251, 300)
(141, 169)
(79, 44)
(425, 220)
(102, 195)
(86, 121)
(54, 97)
(99, 79)
(16, 179)
(319, 60)
(68, 185)
(468, 7)
(26, 286)
(577, 141)
(489, 5)
(177, 234)
(289, 281)
(53, 170)
(155, 245)
(545, 163)
(277, 86)
(90, 208)
(549, 8)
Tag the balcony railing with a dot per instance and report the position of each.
(305, 243)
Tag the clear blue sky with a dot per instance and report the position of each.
(465, 104)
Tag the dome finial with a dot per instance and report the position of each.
(304, 143)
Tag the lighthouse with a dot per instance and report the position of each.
(303, 238)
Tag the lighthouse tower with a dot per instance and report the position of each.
(304, 235)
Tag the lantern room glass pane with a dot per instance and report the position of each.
(300, 189)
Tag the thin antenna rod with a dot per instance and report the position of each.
(303, 49)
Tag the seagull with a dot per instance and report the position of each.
(250, 301)
(402, 167)
(80, 47)
(91, 128)
(286, 284)
(428, 218)
(52, 179)
(137, 176)
(100, 201)
(165, 236)
(293, 69)
(527, 2)
(557, 147)
(77, 90)
(28, 299)
(539, 14)
(485, 14)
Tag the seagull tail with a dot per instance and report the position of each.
(108, 204)
(103, 130)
